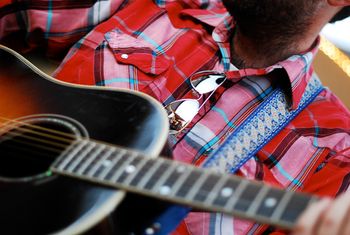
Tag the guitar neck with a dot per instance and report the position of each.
(181, 183)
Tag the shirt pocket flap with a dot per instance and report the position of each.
(136, 52)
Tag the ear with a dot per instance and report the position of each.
(339, 3)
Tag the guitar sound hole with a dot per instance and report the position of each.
(29, 149)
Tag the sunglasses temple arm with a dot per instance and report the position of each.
(205, 101)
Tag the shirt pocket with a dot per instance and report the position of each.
(137, 52)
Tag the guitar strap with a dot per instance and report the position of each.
(257, 130)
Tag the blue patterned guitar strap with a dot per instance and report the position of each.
(257, 130)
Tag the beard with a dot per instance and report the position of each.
(263, 19)
(272, 27)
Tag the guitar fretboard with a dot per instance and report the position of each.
(181, 183)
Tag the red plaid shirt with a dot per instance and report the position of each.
(154, 47)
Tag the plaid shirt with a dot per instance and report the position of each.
(154, 47)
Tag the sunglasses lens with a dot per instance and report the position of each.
(181, 112)
(207, 81)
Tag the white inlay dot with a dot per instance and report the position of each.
(130, 169)
(149, 231)
(106, 163)
(180, 169)
(226, 192)
(270, 202)
(164, 190)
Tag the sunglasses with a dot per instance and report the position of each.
(181, 112)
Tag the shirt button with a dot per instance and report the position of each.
(124, 56)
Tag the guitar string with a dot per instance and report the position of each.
(29, 134)
(69, 140)
(41, 132)
(42, 140)
(60, 139)
(37, 127)
(34, 142)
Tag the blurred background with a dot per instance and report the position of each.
(339, 34)
(332, 63)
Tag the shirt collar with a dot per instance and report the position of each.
(299, 69)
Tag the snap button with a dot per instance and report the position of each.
(124, 56)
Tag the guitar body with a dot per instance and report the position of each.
(31, 200)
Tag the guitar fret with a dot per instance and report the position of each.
(105, 161)
(207, 187)
(258, 200)
(158, 176)
(60, 160)
(162, 182)
(113, 163)
(89, 162)
(187, 185)
(167, 186)
(192, 193)
(234, 199)
(270, 203)
(128, 170)
(180, 181)
(226, 191)
(120, 169)
(146, 174)
(133, 172)
(85, 150)
(81, 156)
(296, 205)
(98, 161)
(281, 206)
(214, 191)
(68, 157)
(247, 196)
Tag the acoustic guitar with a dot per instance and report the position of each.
(70, 152)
